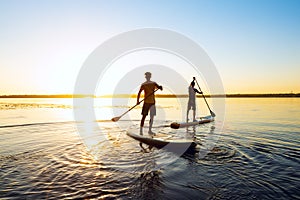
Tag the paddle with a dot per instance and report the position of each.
(115, 119)
(211, 112)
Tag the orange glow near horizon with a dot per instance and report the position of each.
(42, 51)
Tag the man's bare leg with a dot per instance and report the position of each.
(150, 124)
(194, 115)
(187, 115)
(142, 124)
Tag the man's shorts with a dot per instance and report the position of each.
(147, 107)
(191, 105)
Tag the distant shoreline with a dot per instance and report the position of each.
(278, 95)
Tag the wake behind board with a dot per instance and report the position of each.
(202, 120)
(177, 145)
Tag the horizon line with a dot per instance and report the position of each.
(229, 95)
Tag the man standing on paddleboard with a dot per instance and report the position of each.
(149, 87)
(192, 100)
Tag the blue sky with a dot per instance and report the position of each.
(254, 44)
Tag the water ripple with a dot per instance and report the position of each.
(51, 161)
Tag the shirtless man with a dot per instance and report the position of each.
(149, 88)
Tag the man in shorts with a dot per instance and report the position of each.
(149, 88)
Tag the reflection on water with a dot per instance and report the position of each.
(255, 156)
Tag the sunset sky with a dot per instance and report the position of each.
(254, 44)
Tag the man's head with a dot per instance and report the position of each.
(148, 76)
(193, 83)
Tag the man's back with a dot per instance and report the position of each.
(192, 94)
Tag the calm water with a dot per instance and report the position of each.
(44, 154)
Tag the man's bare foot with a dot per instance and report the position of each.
(151, 133)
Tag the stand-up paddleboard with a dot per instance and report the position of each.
(202, 120)
(176, 145)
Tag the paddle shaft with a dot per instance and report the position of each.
(137, 103)
(212, 113)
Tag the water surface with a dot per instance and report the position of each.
(256, 155)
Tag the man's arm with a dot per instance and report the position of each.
(197, 91)
(138, 96)
(159, 86)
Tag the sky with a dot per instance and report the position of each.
(254, 44)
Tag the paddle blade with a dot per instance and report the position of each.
(212, 114)
(115, 119)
